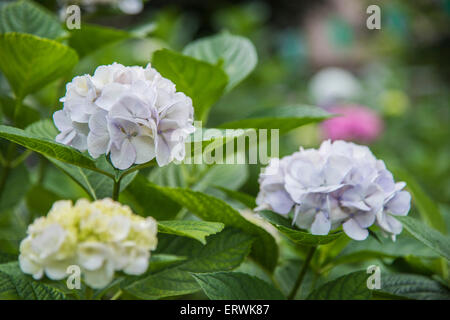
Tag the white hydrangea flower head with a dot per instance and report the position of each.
(341, 183)
(132, 114)
(101, 237)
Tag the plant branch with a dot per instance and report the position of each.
(116, 189)
(302, 273)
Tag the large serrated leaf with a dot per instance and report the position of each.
(414, 286)
(237, 54)
(204, 83)
(28, 17)
(96, 184)
(282, 118)
(352, 286)
(197, 230)
(209, 208)
(428, 236)
(236, 286)
(46, 147)
(223, 252)
(15, 284)
(30, 63)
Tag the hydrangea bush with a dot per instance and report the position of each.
(97, 203)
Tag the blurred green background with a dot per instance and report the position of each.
(401, 71)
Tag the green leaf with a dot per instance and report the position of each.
(162, 261)
(243, 198)
(428, 236)
(236, 286)
(7, 257)
(305, 238)
(13, 284)
(96, 184)
(209, 208)
(26, 116)
(197, 230)
(223, 252)
(428, 209)
(282, 118)
(413, 287)
(237, 54)
(30, 63)
(352, 286)
(92, 37)
(16, 186)
(29, 17)
(275, 218)
(46, 147)
(204, 83)
(297, 236)
(205, 140)
(144, 201)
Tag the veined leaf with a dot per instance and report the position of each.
(204, 83)
(237, 54)
(29, 17)
(209, 208)
(305, 238)
(236, 286)
(46, 147)
(297, 236)
(352, 286)
(243, 198)
(97, 185)
(428, 209)
(223, 252)
(145, 202)
(428, 236)
(30, 63)
(282, 118)
(13, 284)
(197, 230)
(413, 286)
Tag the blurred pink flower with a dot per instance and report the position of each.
(355, 123)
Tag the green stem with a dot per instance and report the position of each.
(116, 189)
(302, 273)
(116, 295)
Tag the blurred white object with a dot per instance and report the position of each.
(130, 6)
(333, 84)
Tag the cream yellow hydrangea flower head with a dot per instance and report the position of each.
(101, 237)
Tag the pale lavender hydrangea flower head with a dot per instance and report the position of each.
(341, 183)
(131, 113)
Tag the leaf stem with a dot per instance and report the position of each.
(116, 295)
(116, 189)
(302, 273)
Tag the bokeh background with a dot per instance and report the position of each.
(391, 84)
